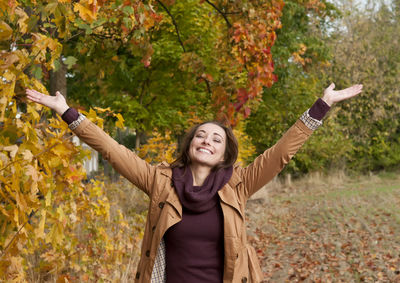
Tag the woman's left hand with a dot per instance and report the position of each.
(331, 96)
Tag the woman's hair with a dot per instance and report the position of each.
(231, 147)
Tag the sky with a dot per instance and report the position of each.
(363, 3)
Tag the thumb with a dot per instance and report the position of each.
(331, 86)
(59, 95)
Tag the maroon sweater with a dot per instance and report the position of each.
(195, 245)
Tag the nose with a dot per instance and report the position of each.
(206, 140)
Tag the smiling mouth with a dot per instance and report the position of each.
(205, 150)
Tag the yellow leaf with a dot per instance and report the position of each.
(3, 106)
(31, 110)
(5, 31)
(48, 198)
(40, 229)
(37, 85)
(16, 216)
(2, 210)
(23, 17)
(20, 200)
(55, 162)
(60, 150)
(85, 13)
(102, 110)
(12, 149)
(31, 171)
(120, 122)
(61, 215)
(27, 154)
(7, 59)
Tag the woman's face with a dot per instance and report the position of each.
(208, 145)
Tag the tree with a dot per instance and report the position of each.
(367, 52)
(302, 61)
(211, 57)
(44, 202)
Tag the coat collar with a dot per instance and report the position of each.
(165, 169)
(233, 181)
(227, 194)
(172, 197)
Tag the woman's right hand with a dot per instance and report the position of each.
(57, 103)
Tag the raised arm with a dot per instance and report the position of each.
(267, 165)
(123, 160)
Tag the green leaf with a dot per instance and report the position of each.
(57, 65)
(128, 10)
(127, 22)
(37, 72)
(70, 61)
(51, 7)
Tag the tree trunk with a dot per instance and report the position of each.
(58, 80)
(138, 138)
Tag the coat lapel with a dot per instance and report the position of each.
(229, 194)
(172, 197)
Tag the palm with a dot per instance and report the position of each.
(57, 103)
(332, 96)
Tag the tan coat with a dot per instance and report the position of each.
(165, 210)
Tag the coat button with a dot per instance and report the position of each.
(244, 279)
(147, 253)
(161, 205)
(153, 228)
(172, 184)
(137, 275)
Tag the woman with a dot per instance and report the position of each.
(195, 229)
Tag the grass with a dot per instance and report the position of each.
(328, 229)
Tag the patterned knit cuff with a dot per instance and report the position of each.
(319, 109)
(77, 122)
(70, 115)
(309, 121)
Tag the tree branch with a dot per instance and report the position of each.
(174, 23)
(207, 84)
(3, 252)
(222, 13)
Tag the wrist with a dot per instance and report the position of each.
(61, 109)
(327, 101)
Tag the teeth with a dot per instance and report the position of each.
(205, 150)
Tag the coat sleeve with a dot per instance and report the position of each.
(123, 160)
(267, 165)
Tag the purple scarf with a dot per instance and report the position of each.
(199, 198)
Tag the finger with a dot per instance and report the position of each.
(33, 92)
(350, 92)
(331, 86)
(33, 95)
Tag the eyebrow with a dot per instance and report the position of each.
(215, 133)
